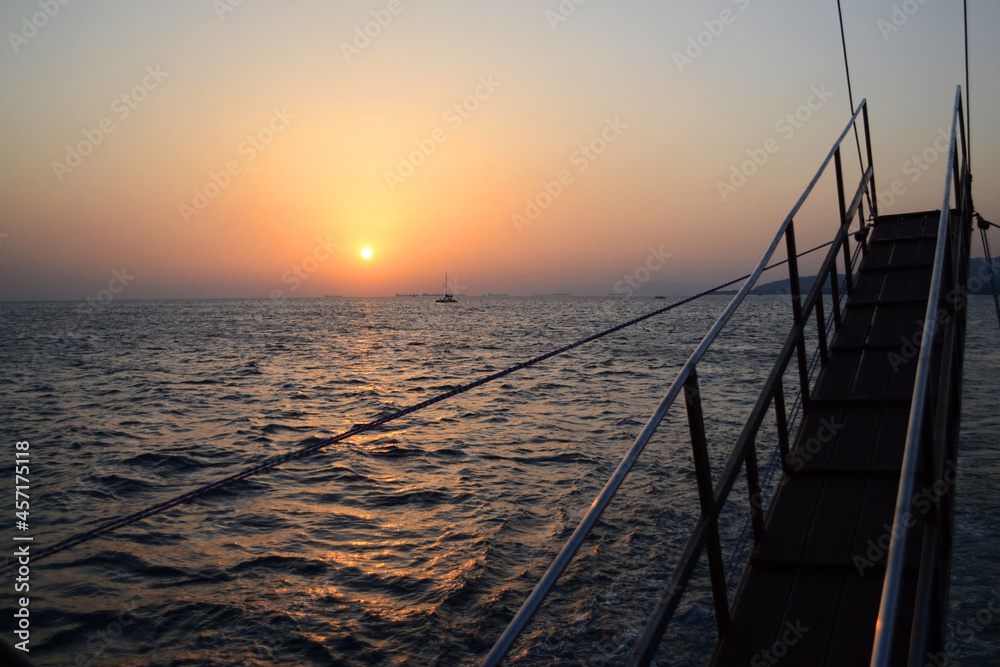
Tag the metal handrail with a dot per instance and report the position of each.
(743, 452)
(687, 379)
(889, 606)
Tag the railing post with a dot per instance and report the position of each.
(840, 187)
(843, 214)
(861, 236)
(835, 294)
(782, 419)
(756, 497)
(824, 355)
(848, 268)
(703, 473)
(793, 282)
(868, 145)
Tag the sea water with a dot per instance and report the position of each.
(417, 542)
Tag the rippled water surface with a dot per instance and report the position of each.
(413, 544)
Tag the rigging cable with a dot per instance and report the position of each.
(984, 226)
(850, 98)
(968, 101)
(269, 464)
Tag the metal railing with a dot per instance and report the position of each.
(928, 452)
(705, 534)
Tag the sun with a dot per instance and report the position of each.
(366, 253)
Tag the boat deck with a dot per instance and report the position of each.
(814, 582)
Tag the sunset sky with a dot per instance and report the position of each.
(237, 148)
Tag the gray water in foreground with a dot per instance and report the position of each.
(416, 543)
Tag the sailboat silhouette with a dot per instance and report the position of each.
(446, 298)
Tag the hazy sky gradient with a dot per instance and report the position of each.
(313, 191)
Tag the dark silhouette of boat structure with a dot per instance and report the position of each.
(856, 475)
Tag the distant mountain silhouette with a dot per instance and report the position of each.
(977, 269)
